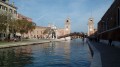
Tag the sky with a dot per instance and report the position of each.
(44, 12)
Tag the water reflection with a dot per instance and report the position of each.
(15, 57)
(54, 54)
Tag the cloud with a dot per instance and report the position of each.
(41, 17)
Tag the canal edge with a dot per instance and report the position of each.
(25, 44)
(20, 44)
(96, 57)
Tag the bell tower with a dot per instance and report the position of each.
(67, 26)
(90, 26)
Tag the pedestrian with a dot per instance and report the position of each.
(98, 40)
(85, 40)
(110, 42)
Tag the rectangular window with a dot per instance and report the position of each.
(106, 24)
(10, 10)
(0, 6)
(0, 35)
(15, 12)
(5, 8)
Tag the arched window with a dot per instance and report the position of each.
(10, 10)
(0, 6)
(67, 21)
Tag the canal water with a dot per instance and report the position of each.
(55, 54)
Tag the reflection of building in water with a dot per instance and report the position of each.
(63, 49)
(67, 51)
(48, 48)
(23, 50)
(13, 57)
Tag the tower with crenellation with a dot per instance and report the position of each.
(67, 28)
(90, 26)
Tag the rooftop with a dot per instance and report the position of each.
(9, 4)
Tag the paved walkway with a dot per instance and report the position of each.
(110, 55)
(22, 43)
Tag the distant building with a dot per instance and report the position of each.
(22, 17)
(109, 25)
(67, 26)
(91, 29)
(66, 30)
(38, 32)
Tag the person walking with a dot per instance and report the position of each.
(110, 42)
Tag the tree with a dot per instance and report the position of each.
(8, 25)
(5, 20)
(24, 26)
(3, 23)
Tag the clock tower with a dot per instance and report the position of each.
(67, 26)
(90, 26)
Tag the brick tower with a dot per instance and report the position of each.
(67, 26)
(90, 26)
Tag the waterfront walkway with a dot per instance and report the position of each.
(110, 55)
(24, 43)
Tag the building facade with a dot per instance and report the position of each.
(22, 17)
(38, 32)
(67, 28)
(8, 9)
(109, 25)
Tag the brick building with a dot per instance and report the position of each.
(20, 16)
(109, 25)
(38, 33)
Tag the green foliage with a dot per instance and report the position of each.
(3, 23)
(21, 26)
(24, 26)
